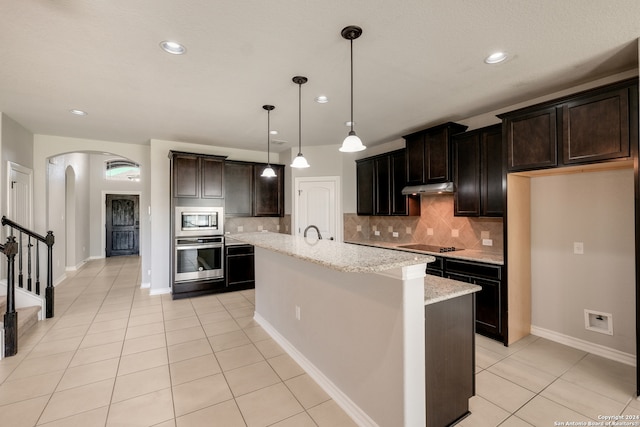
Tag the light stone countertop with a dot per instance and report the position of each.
(464, 254)
(336, 255)
(438, 289)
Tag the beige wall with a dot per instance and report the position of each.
(597, 209)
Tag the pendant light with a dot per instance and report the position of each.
(268, 172)
(351, 143)
(300, 162)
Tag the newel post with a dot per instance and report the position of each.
(11, 316)
(49, 297)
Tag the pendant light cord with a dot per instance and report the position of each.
(351, 44)
(299, 118)
(268, 137)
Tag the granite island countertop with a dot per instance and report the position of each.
(332, 254)
(438, 289)
(464, 254)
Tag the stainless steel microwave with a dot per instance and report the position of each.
(199, 221)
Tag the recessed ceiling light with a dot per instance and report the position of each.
(496, 58)
(273, 132)
(322, 99)
(78, 112)
(173, 48)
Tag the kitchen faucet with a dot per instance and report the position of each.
(317, 230)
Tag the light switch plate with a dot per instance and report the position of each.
(408, 230)
(395, 234)
(358, 228)
(487, 242)
(376, 233)
(429, 231)
(578, 248)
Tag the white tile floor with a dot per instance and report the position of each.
(115, 356)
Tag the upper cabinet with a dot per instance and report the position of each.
(592, 126)
(249, 194)
(428, 154)
(380, 180)
(197, 176)
(477, 164)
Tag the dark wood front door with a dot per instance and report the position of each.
(122, 224)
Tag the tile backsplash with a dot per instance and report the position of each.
(235, 225)
(435, 226)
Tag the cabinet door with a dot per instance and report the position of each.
(436, 143)
(238, 199)
(186, 176)
(596, 128)
(466, 149)
(415, 159)
(401, 204)
(488, 307)
(382, 173)
(240, 269)
(365, 186)
(212, 171)
(491, 176)
(269, 192)
(532, 140)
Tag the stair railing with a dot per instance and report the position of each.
(32, 236)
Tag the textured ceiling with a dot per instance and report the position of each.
(418, 63)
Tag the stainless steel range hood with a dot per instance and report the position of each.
(429, 189)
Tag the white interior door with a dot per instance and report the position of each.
(19, 194)
(317, 202)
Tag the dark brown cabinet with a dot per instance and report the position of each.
(239, 267)
(380, 180)
(449, 360)
(268, 192)
(491, 302)
(592, 126)
(197, 176)
(428, 154)
(249, 194)
(477, 164)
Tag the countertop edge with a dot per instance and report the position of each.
(437, 289)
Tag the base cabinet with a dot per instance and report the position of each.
(491, 303)
(449, 360)
(239, 267)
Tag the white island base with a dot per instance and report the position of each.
(359, 335)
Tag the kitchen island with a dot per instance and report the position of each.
(353, 317)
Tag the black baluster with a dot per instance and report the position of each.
(37, 267)
(20, 284)
(29, 245)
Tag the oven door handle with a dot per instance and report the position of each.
(196, 246)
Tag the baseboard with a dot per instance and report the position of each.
(91, 258)
(145, 285)
(60, 280)
(589, 347)
(159, 291)
(358, 415)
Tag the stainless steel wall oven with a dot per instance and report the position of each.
(199, 258)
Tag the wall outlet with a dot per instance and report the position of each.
(358, 228)
(455, 233)
(297, 312)
(429, 231)
(487, 242)
(485, 235)
(376, 233)
(390, 229)
(598, 321)
(395, 234)
(278, 227)
(407, 230)
(374, 228)
(578, 248)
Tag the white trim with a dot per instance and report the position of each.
(159, 291)
(358, 415)
(338, 207)
(103, 215)
(24, 298)
(589, 347)
(145, 285)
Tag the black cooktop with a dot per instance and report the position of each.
(430, 248)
